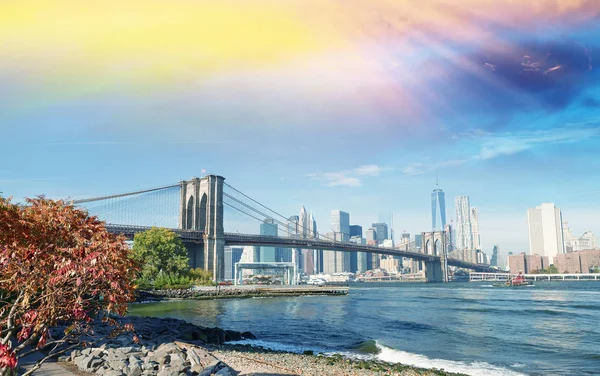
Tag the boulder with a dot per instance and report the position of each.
(248, 335)
(233, 335)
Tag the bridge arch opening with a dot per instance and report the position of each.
(429, 247)
(202, 214)
(436, 247)
(190, 213)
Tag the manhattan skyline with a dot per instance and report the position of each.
(302, 104)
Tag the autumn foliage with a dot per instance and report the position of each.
(57, 265)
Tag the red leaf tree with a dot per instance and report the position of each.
(57, 265)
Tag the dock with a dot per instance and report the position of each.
(240, 291)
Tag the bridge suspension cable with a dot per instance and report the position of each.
(279, 222)
(92, 199)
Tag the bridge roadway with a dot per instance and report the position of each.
(232, 239)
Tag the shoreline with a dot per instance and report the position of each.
(172, 347)
(236, 292)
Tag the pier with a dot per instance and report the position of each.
(481, 277)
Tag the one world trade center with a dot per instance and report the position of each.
(438, 209)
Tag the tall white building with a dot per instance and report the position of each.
(545, 231)
(475, 228)
(464, 233)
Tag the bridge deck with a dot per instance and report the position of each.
(303, 243)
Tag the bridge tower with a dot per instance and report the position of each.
(435, 244)
(201, 209)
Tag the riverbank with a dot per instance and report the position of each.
(228, 292)
(170, 347)
(247, 360)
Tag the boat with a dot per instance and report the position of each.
(518, 281)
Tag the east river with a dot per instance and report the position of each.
(551, 328)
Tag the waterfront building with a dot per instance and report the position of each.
(527, 263)
(578, 261)
(232, 256)
(391, 265)
(268, 227)
(475, 228)
(361, 262)
(381, 232)
(356, 230)
(545, 231)
(438, 206)
(354, 256)
(464, 234)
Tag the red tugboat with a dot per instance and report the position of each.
(517, 281)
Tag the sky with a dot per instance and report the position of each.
(350, 105)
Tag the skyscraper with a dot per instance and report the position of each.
(340, 222)
(340, 226)
(438, 205)
(494, 261)
(381, 232)
(545, 231)
(356, 230)
(464, 234)
(475, 228)
(268, 227)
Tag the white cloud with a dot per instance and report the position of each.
(495, 145)
(421, 168)
(349, 178)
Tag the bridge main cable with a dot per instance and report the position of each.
(82, 201)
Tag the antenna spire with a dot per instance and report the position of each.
(437, 182)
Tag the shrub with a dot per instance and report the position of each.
(57, 265)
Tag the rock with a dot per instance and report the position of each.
(88, 363)
(233, 335)
(116, 365)
(134, 370)
(115, 354)
(223, 372)
(168, 371)
(176, 360)
(248, 335)
(149, 366)
(112, 372)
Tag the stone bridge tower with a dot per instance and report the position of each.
(201, 209)
(435, 244)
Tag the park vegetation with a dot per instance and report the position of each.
(164, 261)
(58, 266)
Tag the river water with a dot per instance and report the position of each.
(551, 328)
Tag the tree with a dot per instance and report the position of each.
(157, 250)
(57, 265)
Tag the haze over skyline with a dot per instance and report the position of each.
(326, 104)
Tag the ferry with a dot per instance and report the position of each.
(517, 281)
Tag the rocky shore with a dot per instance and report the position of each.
(171, 347)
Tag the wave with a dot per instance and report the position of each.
(390, 355)
(296, 349)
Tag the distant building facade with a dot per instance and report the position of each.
(578, 261)
(232, 256)
(527, 263)
(268, 227)
(545, 231)
(464, 234)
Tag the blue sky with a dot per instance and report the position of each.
(507, 111)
